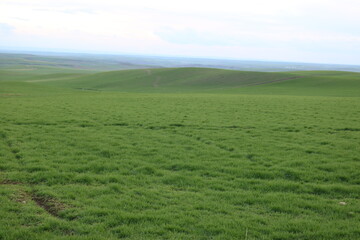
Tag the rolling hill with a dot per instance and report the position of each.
(206, 80)
(171, 80)
(179, 153)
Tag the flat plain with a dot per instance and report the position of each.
(180, 153)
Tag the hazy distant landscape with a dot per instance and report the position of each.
(102, 62)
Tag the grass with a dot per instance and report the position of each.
(205, 80)
(171, 80)
(203, 158)
(310, 84)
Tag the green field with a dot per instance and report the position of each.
(179, 153)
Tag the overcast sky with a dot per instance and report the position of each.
(324, 31)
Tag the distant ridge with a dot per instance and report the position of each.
(111, 62)
(173, 79)
(187, 80)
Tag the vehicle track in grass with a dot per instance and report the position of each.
(51, 205)
(273, 81)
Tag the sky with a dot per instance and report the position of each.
(317, 31)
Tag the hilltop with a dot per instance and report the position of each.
(203, 80)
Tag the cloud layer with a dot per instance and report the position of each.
(310, 31)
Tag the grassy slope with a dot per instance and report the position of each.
(24, 89)
(181, 80)
(110, 165)
(28, 74)
(171, 80)
(311, 84)
(178, 166)
(216, 80)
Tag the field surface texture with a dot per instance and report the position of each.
(179, 153)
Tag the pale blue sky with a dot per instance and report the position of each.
(324, 31)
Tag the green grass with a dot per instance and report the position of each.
(310, 84)
(30, 74)
(204, 158)
(205, 80)
(198, 80)
(171, 80)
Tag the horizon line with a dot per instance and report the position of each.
(68, 51)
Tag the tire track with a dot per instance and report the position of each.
(49, 204)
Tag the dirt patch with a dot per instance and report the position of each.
(49, 204)
(9, 182)
(22, 197)
(156, 82)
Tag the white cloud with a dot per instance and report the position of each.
(6, 29)
(244, 29)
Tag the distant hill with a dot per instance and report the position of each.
(206, 80)
(65, 62)
(172, 79)
(105, 62)
(310, 83)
